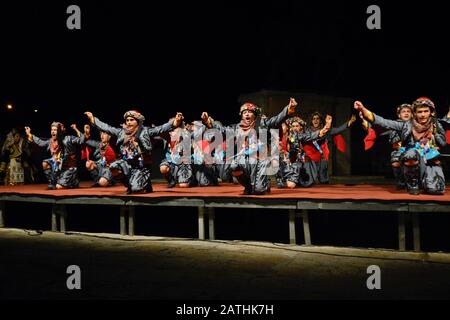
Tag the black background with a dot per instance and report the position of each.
(164, 57)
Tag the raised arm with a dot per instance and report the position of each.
(343, 127)
(209, 123)
(167, 127)
(102, 126)
(76, 140)
(74, 128)
(377, 120)
(309, 136)
(32, 138)
(276, 121)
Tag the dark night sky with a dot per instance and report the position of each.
(194, 56)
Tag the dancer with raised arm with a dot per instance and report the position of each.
(135, 143)
(421, 139)
(247, 165)
(61, 169)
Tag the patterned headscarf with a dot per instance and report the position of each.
(290, 121)
(131, 133)
(250, 107)
(424, 102)
(404, 106)
(135, 115)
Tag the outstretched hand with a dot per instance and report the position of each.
(358, 106)
(178, 119)
(292, 105)
(206, 120)
(90, 116)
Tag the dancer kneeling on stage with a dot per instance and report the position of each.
(300, 169)
(135, 143)
(61, 169)
(250, 169)
(176, 166)
(103, 155)
(318, 151)
(421, 138)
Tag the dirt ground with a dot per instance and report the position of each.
(34, 266)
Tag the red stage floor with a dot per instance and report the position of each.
(320, 192)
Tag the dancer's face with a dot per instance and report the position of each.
(54, 133)
(104, 137)
(131, 122)
(87, 129)
(316, 121)
(296, 127)
(423, 114)
(248, 116)
(405, 114)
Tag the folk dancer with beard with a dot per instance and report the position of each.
(135, 143)
(421, 139)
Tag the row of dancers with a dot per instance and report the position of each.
(204, 152)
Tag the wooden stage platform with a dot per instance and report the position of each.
(297, 203)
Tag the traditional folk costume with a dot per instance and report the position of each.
(177, 158)
(254, 177)
(103, 155)
(135, 150)
(318, 151)
(16, 162)
(203, 158)
(420, 144)
(395, 141)
(63, 162)
(299, 168)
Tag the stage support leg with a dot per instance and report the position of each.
(131, 220)
(292, 235)
(416, 231)
(211, 220)
(123, 221)
(55, 218)
(2, 214)
(62, 211)
(401, 232)
(201, 223)
(306, 230)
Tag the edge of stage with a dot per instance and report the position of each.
(298, 203)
